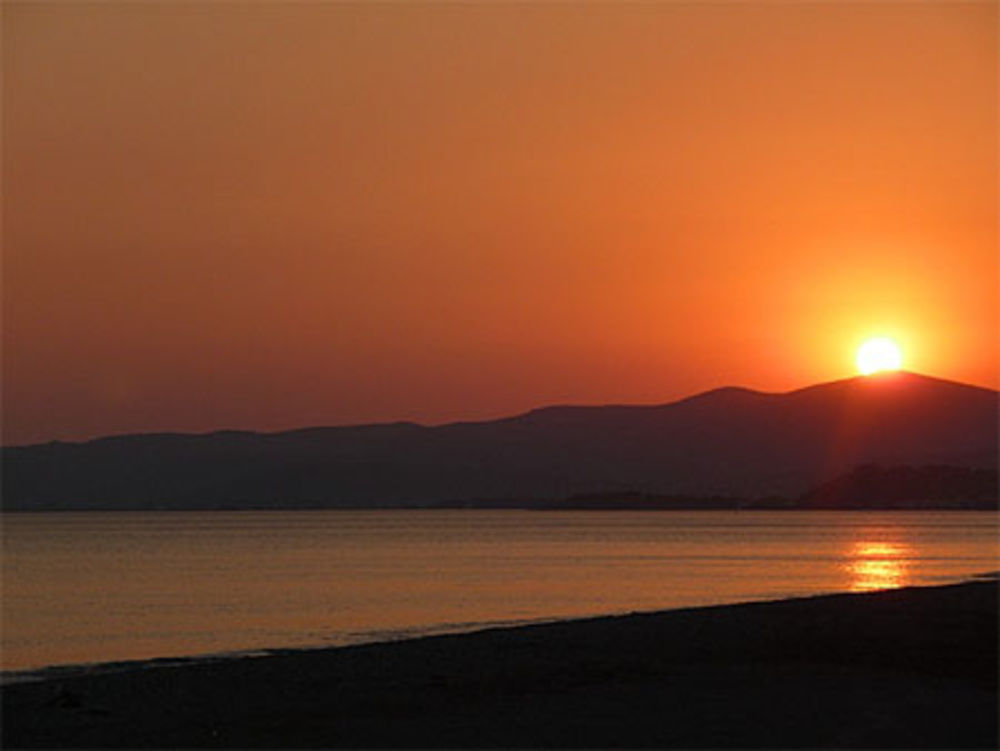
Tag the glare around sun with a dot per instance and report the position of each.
(878, 354)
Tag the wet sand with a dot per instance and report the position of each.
(909, 668)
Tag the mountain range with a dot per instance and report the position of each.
(728, 442)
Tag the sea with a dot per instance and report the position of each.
(87, 588)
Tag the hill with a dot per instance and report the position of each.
(730, 442)
(871, 486)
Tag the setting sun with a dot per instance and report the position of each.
(878, 354)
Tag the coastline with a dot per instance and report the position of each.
(913, 668)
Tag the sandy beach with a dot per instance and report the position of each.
(909, 668)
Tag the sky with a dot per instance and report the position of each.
(267, 215)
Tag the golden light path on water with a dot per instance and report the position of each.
(112, 586)
(878, 564)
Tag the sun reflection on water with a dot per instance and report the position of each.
(878, 565)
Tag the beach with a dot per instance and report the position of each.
(906, 668)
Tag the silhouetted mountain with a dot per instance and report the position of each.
(729, 442)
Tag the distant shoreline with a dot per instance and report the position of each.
(912, 667)
(512, 506)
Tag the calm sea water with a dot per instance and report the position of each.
(97, 587)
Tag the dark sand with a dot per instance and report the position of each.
(911, 668)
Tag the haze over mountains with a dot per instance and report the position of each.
(728, 442)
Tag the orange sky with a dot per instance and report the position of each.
(269, 215)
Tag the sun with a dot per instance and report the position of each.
(878, 354)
